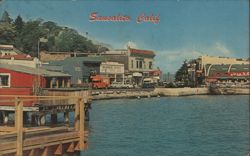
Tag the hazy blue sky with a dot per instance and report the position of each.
(187, 29)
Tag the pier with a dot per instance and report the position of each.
(22, 138)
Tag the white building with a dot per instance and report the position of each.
(138, 63)
(8, 50)
(113, 70)
(20, 59)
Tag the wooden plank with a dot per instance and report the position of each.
(53, 139)
(7, 129)
(19, 126)
(77, 115)
(7, 146)
(29, 132)
(12, 149)
(50, 138)
(82, 120)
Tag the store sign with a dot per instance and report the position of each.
(238, 74)
(137, 74)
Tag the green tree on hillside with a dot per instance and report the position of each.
(18, 23)
(6, 18)
(30, 34)
(7, 30)
(25, 36)
(7, 33)
(70, 40)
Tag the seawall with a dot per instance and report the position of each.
(181, 91)
(230, 91)
(101, 95)
(158, 92)
(116, 94)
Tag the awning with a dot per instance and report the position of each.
(137, 74)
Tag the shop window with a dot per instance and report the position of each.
(4, 80)
(150, 65)
(140, 65)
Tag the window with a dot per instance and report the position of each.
(4, 80)
(137, 64)
(140, 65)
(132, 64)
(150, 65)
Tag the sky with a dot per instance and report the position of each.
(187, 28)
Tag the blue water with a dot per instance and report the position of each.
(186, 126)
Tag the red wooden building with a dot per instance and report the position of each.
(22, 80)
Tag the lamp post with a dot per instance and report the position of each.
(39, 64)
(43, 40)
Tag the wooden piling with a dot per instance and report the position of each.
(82, 119)
(77, 115)
(19, 126)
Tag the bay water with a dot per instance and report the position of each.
(169, 126)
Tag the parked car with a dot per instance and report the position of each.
(127, 85)
(116, 85)
(170, 85)
(148, 85)
(121, 85)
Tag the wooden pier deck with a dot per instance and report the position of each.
(44, 140)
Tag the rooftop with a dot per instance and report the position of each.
(6, 47)
(97, 59)
(9, 49)
(33, 71)
(141, 52)
(226, 68)
(17, 57)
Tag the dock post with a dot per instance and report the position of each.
(53, 118)
(1, 117)
(19, 126)
(63, 83)
(5, 117)
(25, 117)
(82, 120)
(77, 114)
(66, 117)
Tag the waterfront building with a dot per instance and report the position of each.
(113, 70)
(23, 80)
(211, 68)
(227, 73)
(137, 62)
(155, 75)
(204, 60)
(79, 67)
